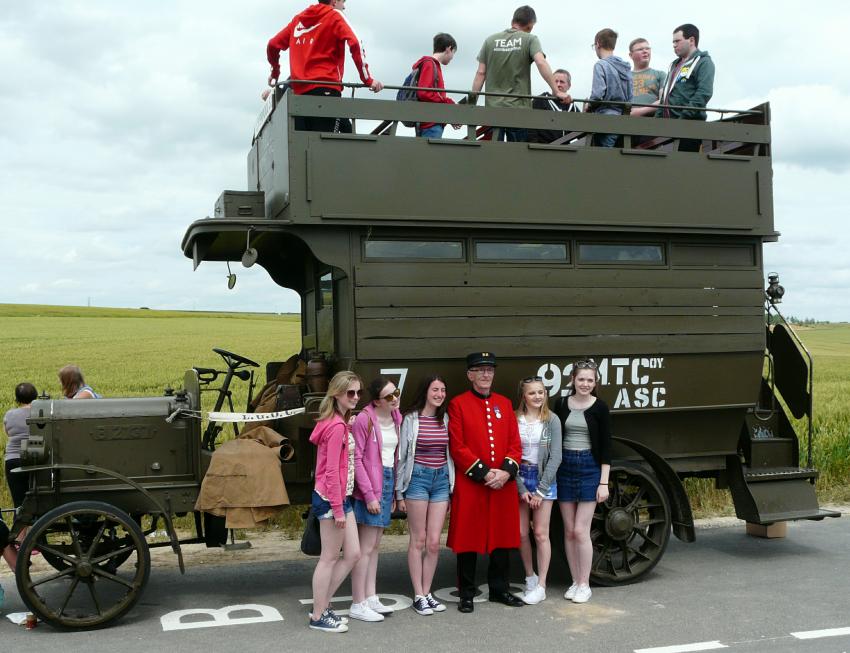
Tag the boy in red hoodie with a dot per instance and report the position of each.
(316, 40)
(431, 76)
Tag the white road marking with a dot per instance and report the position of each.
(220, 617)
(817, 634)
(684, 648)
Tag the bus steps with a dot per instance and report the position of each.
(766, 495)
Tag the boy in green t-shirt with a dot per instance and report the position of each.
(647, 82)
(504, 63)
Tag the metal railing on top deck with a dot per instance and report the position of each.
(577, 127)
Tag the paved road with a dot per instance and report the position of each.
(726, 591)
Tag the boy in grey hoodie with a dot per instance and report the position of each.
(612, 81)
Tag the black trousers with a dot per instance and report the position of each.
(315, 124)
(18, 483)
(497, 572)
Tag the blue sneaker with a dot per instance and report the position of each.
(328, 624)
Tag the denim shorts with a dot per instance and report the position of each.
(578, 476)
(322, 507)
(382, 519)
(428, 484)
(529, 475)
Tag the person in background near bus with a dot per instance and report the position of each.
(612, 81)
(330, 503)
(540, 434)
(15, 425)
(424, 485)
(431, 76)
(484, 443)
(74, 385)
(316, 40)
(646, 81)
(504, 63)
(583, 474)
(376, 435)
(690, 78)
(548, 102)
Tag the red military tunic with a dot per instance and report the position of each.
(483, 434)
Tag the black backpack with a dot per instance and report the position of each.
(410, 95)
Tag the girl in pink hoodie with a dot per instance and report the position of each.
(331, 503)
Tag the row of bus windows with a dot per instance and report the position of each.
(559, 252)
(507, 251)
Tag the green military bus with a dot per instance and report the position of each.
(408, 253)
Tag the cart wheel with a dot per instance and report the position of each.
(88, 527)
(87, 590)
(631, 529)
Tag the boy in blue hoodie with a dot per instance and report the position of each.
(612, 82)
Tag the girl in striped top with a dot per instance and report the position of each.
(425, 479)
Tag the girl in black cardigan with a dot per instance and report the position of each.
(584, 470)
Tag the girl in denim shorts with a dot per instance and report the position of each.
(583, 475)
(425, 481)
(540, 433)
(376, 434)
(331, 505)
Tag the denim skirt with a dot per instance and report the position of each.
(578, 476)
(382, 519)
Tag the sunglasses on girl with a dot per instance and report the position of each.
(351, 394)
(532, 379)
(585, 365)
(395, 394)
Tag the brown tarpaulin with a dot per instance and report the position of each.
(244, 483)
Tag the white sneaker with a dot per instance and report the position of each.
(363, 612)
(571, 592)
(375, 603)
(583, 594)
(531, 582)
(535, 596)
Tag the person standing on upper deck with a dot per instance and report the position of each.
(646, 81)
(612, 81)
(316, 40)
(485, 446)
(431, 76)
(504, 63)
(548, 102)
(690, 79)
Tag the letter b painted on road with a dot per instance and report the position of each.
(221, 617)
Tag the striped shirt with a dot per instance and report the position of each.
(431, 443)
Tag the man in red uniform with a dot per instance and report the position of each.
(316, 40)
(485, 447)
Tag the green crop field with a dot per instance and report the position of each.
(135, 352)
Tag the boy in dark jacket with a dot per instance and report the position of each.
(612, 81)
(690, 79)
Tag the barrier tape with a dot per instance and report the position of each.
(253, 417)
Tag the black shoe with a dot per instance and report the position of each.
(506, 598)
(465, 606)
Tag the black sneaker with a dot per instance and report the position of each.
(422, 605)
(436, 606)
(328, 624)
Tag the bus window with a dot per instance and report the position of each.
(620, 253)
(545, 252)
(414, 249)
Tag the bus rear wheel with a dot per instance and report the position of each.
(631, 529)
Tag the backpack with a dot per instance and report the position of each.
(409, 95)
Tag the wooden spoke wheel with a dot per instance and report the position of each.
(631, 529)
(84, 543)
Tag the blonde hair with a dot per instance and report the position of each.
(338, 384)
(71, 378)
(522, 408)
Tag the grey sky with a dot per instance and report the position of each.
(122, 122)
